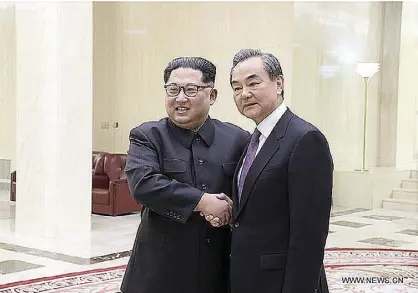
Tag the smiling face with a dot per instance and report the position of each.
(255, 94)
(188, 112)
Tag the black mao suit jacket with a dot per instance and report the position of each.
(168, 170)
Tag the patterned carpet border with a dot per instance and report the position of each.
(340, 257)
(67, 275)
(339, 263)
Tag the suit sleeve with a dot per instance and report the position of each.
(153, 189)
(310, 192)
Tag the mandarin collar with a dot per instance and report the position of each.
(185, 136)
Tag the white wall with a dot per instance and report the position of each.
(330, 39)
(318, 45)
(142, 42)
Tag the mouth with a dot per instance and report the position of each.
(249, 105)
(181, 109)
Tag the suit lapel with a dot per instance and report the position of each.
(235, 183)
(270, 147)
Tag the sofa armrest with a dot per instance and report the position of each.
(119, 181)
(119, 187)
(100, 181)
(121, 199)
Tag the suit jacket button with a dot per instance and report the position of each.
(204, 186)
(207, 240)
(236, 225)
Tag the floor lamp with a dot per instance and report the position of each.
(366, 71)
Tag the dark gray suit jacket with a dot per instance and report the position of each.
(281, 224)
(168, 170)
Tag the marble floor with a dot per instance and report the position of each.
(111, 239)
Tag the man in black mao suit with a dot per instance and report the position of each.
(177, 168)
(282, 188)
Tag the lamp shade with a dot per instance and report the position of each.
(367, 69)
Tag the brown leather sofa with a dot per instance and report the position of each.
(100, 179)
(13, 186)
(111, 194)
(96, 157)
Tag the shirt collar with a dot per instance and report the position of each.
(185, 136)
(266, 126)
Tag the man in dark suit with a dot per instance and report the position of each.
(282, 188)
(180, 167)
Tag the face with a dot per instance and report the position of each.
(255, 94)
(189, 112)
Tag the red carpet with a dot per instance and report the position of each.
(379, 270)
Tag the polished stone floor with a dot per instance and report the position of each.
(23, 258)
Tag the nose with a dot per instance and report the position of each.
(181, 97)
(245, 93)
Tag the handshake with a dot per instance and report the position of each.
(216, 208)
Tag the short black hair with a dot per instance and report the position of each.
(207, 68)
(270, 62)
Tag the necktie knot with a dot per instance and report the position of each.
(256, 136)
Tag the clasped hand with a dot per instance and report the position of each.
(216, 208)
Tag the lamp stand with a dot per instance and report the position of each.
(363, 166)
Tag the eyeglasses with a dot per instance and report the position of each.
(190, 90)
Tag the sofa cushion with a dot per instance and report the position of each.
(98, 163)
(100, 196)
(100, 181)
(114, 166)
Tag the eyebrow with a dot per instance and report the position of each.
(247, 78)
(252, 76)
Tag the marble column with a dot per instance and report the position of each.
(407, 87)
(7, 89)
(54, 119)
(416, 132)
(397, 113)
(389, 72)
(398, 86)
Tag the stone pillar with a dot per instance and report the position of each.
(407, 87)
(398, 86)
(54, 119)
(7, 92)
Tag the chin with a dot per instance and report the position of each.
(251, 114)
(182, 120)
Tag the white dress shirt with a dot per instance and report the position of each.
(266, 127)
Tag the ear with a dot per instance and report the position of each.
(280, 85)
(213, 96)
